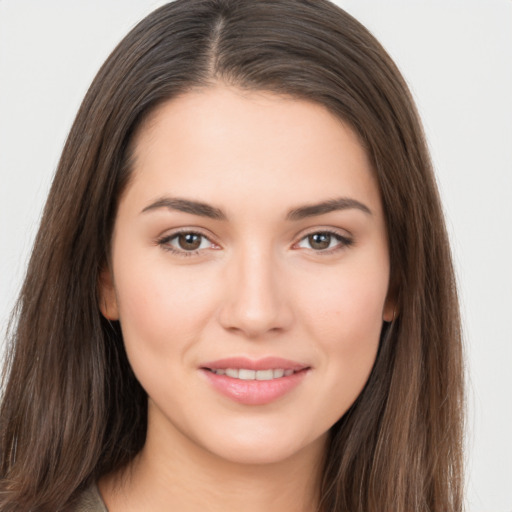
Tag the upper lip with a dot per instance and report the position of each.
(264, 363)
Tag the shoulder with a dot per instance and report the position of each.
(89, 501)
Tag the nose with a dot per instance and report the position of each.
(256, 302)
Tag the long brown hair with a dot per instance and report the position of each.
(72, 409)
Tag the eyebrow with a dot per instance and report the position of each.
(187, 206)
(205, 210)
(342, 203)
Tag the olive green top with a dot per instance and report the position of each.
(90, 501)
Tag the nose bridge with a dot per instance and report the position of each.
(255, 303)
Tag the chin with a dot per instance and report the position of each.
(264, 447)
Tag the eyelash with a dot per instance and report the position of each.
(164, 242)
(344, 242)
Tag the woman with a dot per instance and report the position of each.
(241, 293)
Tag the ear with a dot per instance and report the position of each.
(390, 311)
(107, 299)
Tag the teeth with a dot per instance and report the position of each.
(245, 374)
(264, 374)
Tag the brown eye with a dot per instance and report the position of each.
(189, 241)
(325, 242)
(319, 241)
(186, 243)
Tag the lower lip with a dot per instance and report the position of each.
(254, 392)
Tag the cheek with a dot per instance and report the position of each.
(347, 306)
(349, 336)
(161, 309)
(162, 316)
(344, 317)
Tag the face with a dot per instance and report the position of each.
(249, 272)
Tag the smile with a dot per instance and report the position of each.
(254, 382)
(247, 374)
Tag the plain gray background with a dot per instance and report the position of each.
(457, 57)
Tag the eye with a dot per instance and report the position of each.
(324, 241)
(186, 243)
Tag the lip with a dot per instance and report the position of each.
(265, 363)
(254, 392)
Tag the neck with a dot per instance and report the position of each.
(179, 475)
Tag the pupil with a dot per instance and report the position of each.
(189, 241)
(320, 240)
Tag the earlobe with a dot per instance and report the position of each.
(391, 309)
(107, 300)
(391, 305)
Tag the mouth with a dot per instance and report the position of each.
(247, 374)
(254, 382)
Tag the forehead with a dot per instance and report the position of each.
(224, 143)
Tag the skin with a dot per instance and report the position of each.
(256, 287)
